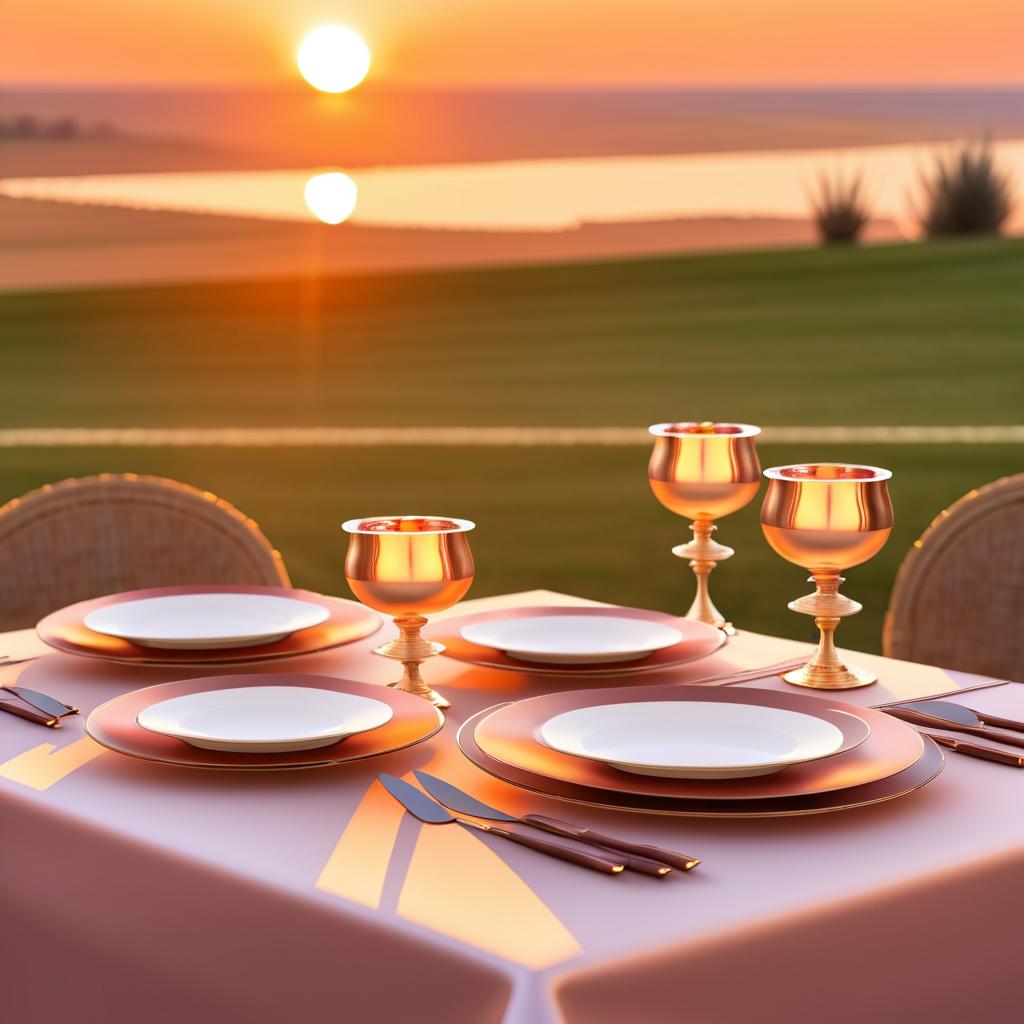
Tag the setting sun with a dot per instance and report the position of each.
(333, 58)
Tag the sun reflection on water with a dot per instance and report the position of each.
(331, 197)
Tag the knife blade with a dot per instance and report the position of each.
(649, 860)
(28, 712)
(41, 701)
(916, 717)
(962, 715)
(417, 803)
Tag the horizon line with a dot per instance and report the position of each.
(512, 87)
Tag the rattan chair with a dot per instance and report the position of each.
(958, 601)
(97, 535)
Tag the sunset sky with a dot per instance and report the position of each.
(521, 42)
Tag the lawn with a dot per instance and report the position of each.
(889, 335)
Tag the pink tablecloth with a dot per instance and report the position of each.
(134, 892)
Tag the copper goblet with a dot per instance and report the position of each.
(827, 517)
(408, 567)
(704, 471)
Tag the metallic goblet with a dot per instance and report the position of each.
(408, 567)
(704, 471)
(826, 518)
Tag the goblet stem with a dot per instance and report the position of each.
(704, 554)
(412, 649)
(826, 670)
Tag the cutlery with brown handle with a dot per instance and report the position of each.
(682, 861)
(948, 711)
(648, 860)
(28, 712)
(919, 718)
(976, 750)
(417, 803)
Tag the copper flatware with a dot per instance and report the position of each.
(951, 712)
(910, 715)
(34, 706)
(28, 713)
(977, 750)
(417, 803)
(648, 860)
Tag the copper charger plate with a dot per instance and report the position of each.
(895, 760)
(699, 640)
(114, 725)
(874, 745)
(66, 630)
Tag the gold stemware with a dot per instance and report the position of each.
(409, 567)
(704, 471)
(827, 517)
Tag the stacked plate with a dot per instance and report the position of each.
(262, 721)
(565, 641)
(699, 750)
(206, 625)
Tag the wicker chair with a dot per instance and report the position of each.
(97, 535)
(958, 601)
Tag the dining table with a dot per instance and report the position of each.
(135, 891)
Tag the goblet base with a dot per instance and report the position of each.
(830, 677)
(704, 554)
(425, 692)
(825, 671)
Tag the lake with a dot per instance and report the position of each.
(546, 195)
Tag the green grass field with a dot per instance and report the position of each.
(890, 335)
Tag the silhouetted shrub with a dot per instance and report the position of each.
(966, 194)
(840, 211)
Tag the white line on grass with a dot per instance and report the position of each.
(484, 437)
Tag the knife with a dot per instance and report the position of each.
(417, 803)
(977, 750)
(915, 717)
(28, 712)
(650, 860)
(41, 702)
(961, 715)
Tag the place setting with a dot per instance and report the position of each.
(701, 751)
(569, 642)
(206, 625)
(262, 722)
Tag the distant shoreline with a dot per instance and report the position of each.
(222, 128)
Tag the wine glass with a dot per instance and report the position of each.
(827, 517)
(704, 471)
(409, 567)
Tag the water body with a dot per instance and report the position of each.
(548, 195)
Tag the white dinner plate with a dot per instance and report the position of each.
(206, 621)
(264, 719)
(573, 639)
(692, 739)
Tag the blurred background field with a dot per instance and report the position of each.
(891, 335)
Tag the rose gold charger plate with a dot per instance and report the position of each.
(66, 631)
(114, 725)
(699, 640)
(894, 760)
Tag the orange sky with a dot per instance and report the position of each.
(521, 42)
